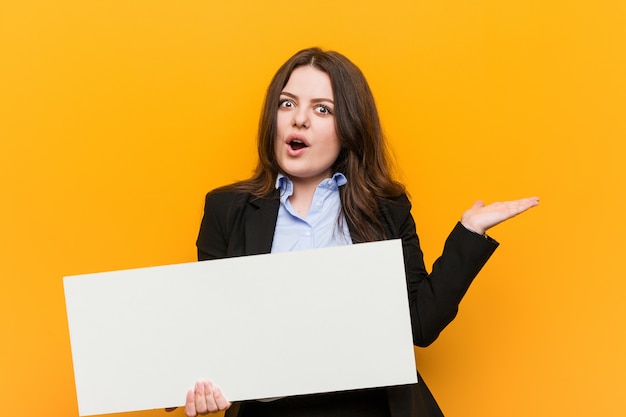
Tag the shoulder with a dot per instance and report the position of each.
(225, 204)
(229, 201)
(395, 215)
(224, 197)
(395, 205)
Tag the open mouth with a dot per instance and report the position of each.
(297, 144)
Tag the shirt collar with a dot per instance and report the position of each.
(284, 184)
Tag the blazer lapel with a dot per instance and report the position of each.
(260, 225)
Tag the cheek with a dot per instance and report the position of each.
(282, 120)
(276, 147)
(330, 132)
(337, 152)
(335, 142)
(333, 148)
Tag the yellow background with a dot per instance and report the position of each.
(117, 116)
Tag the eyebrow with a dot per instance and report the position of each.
(315, 100)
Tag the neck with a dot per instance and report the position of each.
(303, 192)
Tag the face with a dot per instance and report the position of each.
(306, 143)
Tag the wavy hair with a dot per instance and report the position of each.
(364, 157)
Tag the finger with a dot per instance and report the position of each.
(524, 204)
(531, 202)
(209, 394)
(220, 400)
(200, 398)
(190, 404)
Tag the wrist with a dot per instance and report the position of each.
(474, 229)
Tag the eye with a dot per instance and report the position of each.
(285, 103)
(323, 109)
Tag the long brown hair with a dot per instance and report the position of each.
(364, 157)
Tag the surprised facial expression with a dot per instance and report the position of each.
(306, 142)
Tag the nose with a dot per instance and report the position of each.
(300, 118)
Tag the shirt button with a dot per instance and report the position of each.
(307, 234)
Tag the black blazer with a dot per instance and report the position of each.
(238, 224)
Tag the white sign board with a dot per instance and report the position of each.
(258, 326)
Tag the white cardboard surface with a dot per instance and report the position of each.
(258, 326)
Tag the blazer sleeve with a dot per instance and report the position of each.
(434, 298)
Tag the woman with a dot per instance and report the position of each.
(324, 179)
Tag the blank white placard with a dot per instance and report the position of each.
(258, 326)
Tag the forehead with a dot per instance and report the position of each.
(309, 82)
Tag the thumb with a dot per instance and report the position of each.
(478, 204)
